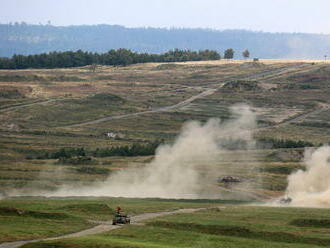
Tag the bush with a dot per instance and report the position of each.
(76, 155)
(318, 223)
(76, 160)
(280, 143)
(68, 153)
(11, 93)
(93, 170)
(313, 124)
(128, 150)
(266, 143)
(286, 170)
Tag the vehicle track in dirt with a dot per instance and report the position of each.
(205, 93)
(179, 105)
(103, 227)
(28, 105)
(321, 107)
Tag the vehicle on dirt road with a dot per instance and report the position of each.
(229, 179)
(121, 218)
(285, 200)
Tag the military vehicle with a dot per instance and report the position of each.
(121, 218)
(229, 179)
(286, 200)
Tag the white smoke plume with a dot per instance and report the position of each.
(176, 170)
(311, 187)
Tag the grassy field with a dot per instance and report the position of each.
(38, 108)
(281, 93)
(32, 218)
(224, 226)
(42, 111)
(265, 171)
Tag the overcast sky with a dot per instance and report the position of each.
(311, 16)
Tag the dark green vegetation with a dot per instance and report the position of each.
(279, 143)
(226, 226)
(120, 57)
(29, 78)
(20, 38)
(318, 223)
(80, 154)
(229, 53)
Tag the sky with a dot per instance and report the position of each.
(308, 16)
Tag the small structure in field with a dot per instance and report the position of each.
(114, 135)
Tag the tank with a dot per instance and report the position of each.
(286, 200)
(121, 218)
(229, 179)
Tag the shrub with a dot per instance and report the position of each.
(93, 170)
(76, 160)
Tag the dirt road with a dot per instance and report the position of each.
(103, 227)
(27, 105)
(161, 109)
(321, 107)
(205, 93)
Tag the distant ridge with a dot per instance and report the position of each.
(34, 39)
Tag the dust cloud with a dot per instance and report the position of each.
(184, 169)
(311, 188)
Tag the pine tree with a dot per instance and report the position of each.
(246, 54)
(229, 53)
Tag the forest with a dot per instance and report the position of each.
(23, 38)
(119, 57)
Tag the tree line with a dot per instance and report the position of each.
(283, 143)
(119, 57)
(23, 38)
(147, 149)
(128, 150)
(135, 149)
(266, 143)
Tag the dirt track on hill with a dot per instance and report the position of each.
(205, 93)
(27, 105)
(321, 107)
(184, 103)
(103, 227)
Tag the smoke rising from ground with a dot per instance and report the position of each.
(177, 169)
(312, 187)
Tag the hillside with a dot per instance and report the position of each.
(46, 110)
(33, 39)
(70, 133)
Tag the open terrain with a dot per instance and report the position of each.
(211, 223)
(37, 218)
(44, 112)
(169, 223)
